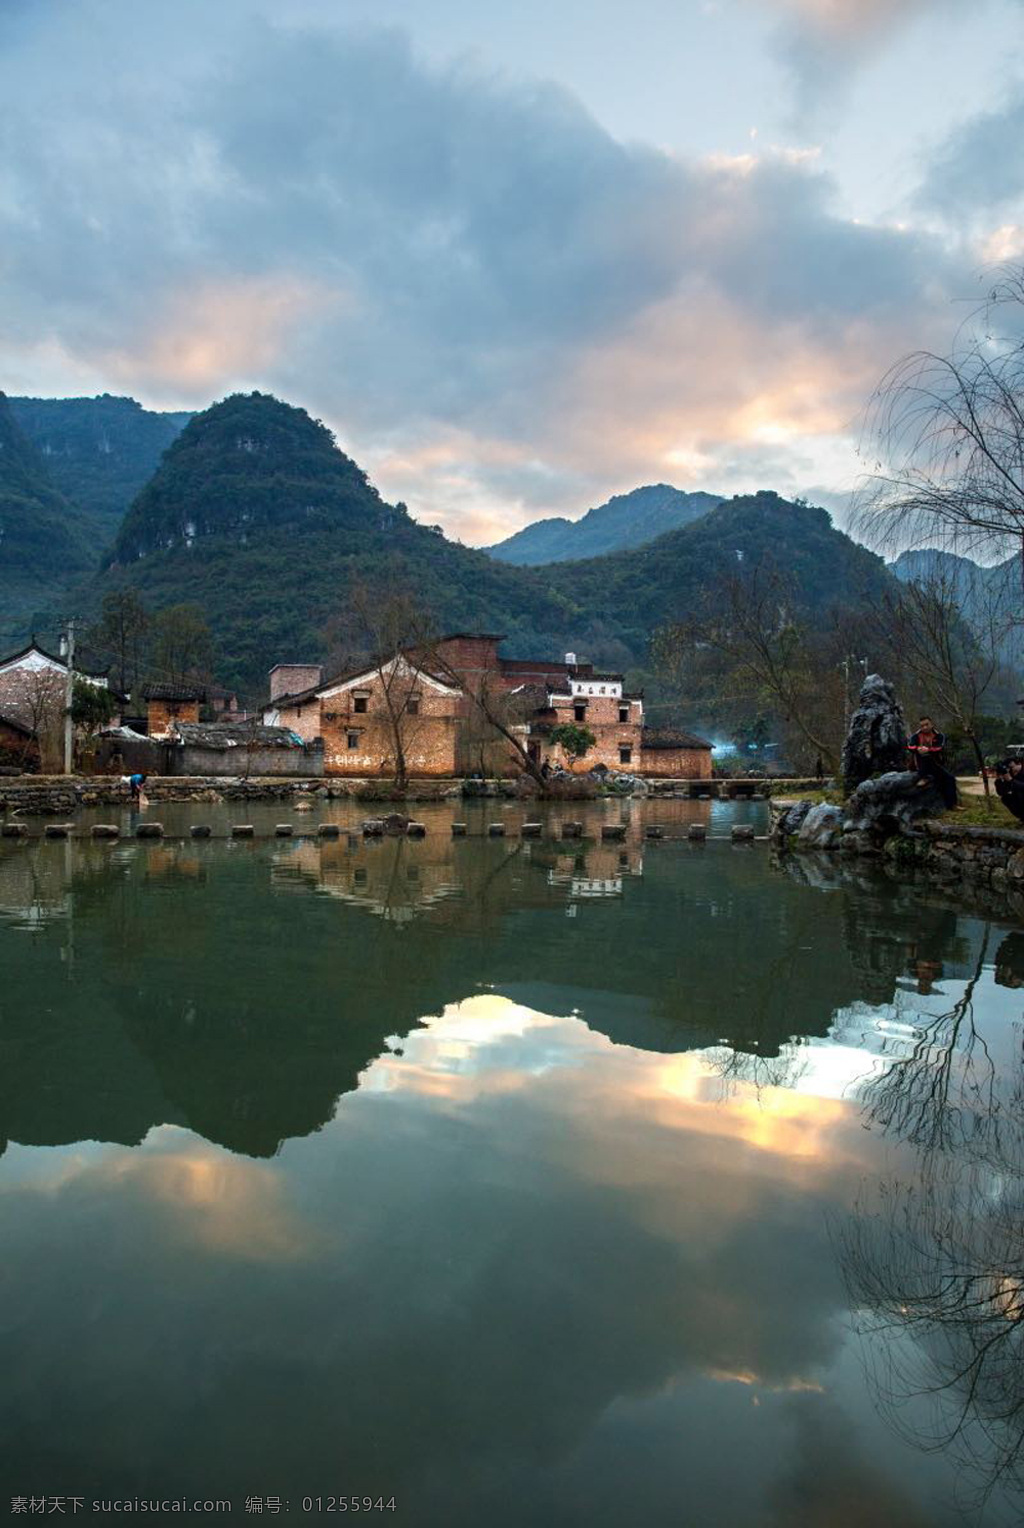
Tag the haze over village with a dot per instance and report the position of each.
(512, 761)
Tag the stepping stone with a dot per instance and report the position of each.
(458, 830)
(149, 830)
(14, 830)
(57, 829)
(531, 829)
(283, 830)
(373, 827)
(742, 833)
(105, 830)
(242, 830)
(328, 830)
(200, 830)
(495, 830)
(416, 830)
(697, 832)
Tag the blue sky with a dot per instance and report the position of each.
(519, 256)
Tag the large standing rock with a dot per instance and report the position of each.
(877, 740)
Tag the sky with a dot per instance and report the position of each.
(519, 256)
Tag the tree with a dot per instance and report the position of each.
(748, 648)
(947, 438)
(39, 706)
(92, 707)
(930, 641)
(120, 633)
(182, 644)
(574, 740)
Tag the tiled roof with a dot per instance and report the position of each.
(180, 692)
(670, 737)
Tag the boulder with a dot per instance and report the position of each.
(821, 828)
(396, 824)
(891, 804)
(876, 742)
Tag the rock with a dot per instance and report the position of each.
(742, 833)
(789, 820)
(373, 827)
(531, 829)
(242, 830)
(200, 830)
(328, 830)
(876, 742)
(283, 830)
(891, 804)
(14, 830)
(302, 806)
(149, 830)
(495, 830)
(105, 830)
(57, 829)
(697, 832)
(821, 827)
(416, 829)
(458, 830)
(395, 824)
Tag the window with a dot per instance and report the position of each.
(625, 754)
(360, 703)
(413, 706)
(353, 740)
(624, 713)
(579, 711)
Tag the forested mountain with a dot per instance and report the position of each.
(256, 515)
(43, 541)
(99, 452)
(627, 520)
(991, 597)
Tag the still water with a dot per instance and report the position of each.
(519, 1183)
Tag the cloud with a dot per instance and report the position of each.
(501, 308)
(979, 167)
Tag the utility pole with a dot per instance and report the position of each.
(69, 691)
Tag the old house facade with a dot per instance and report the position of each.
(424, 703)
(33, 700)
(167, 704)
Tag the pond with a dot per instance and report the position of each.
(509, 1182)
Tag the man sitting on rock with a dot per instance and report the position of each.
(926, 748)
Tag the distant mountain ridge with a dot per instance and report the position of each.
(99, 452)
(991, 597)
(626, 520)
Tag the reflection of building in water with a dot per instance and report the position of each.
(34, 886)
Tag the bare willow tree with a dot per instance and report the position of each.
(951, 663)
(945, 435)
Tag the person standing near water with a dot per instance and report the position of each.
(135, 784)
(926, 748)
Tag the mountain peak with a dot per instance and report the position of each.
(248, 462)
(626, 520)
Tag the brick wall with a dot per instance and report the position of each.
(676, 763)
(303, 719)
(160, 714)
(601, 715)
(429, 738)
(293, 678)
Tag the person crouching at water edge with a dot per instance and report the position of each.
(135, 785)
(926, 747)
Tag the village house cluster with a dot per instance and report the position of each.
(456, 709)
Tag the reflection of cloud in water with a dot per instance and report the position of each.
(517, 1250)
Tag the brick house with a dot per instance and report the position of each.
(170, 703)
(444, 732)
(33, 696)
(669, 753)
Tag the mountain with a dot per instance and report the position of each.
(627, 520)
(991, 597)
(43, 541)
(99, 452)
(257, 515)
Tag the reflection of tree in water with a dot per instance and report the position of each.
(935, 1264)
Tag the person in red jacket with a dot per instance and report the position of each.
(926, 748)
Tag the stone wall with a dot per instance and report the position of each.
(161, 713)
(303, 763)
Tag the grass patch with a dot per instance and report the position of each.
(976, 812)
(833, 798)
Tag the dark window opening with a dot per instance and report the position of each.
(625, 755)
(360, 703)
(413, 706)
(353, 740)
(580, 712)
(623, 713)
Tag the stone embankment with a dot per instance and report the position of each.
(905, 840)
(60, 796)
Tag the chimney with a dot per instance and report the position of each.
(570, 660)
(292, 678)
